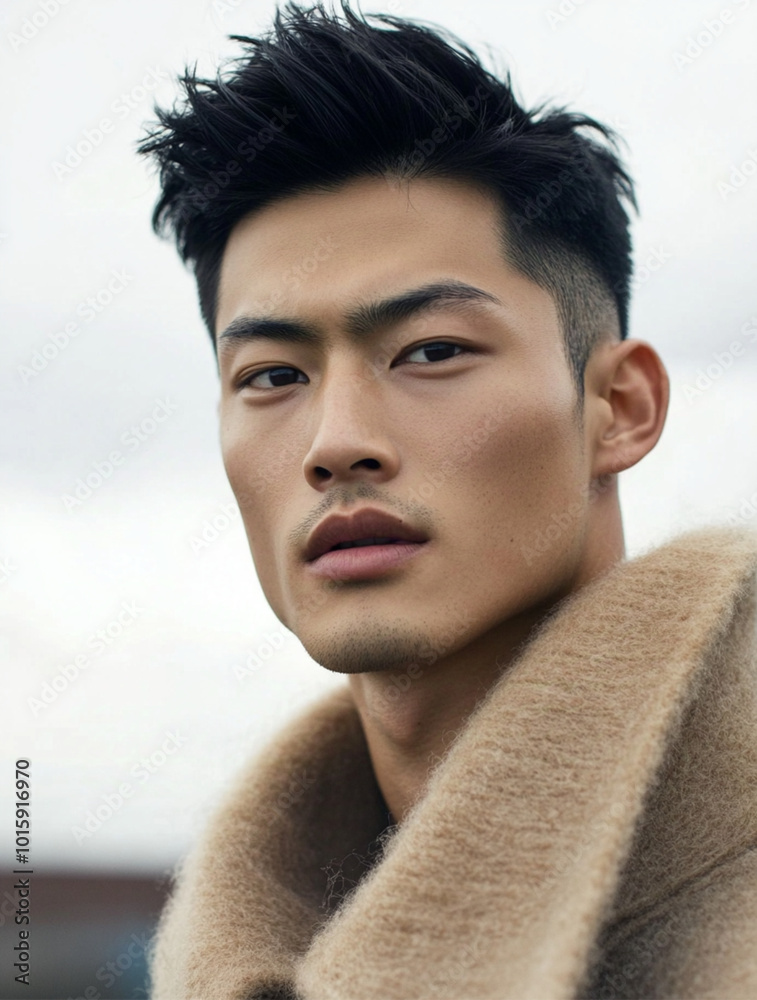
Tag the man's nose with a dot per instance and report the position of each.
(352, 429)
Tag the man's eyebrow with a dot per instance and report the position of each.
(361, 321)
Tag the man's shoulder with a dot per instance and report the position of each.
(697, 941)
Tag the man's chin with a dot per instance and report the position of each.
(366, 648)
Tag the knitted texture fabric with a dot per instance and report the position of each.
(590, 833)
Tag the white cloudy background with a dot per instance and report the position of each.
(65, 574)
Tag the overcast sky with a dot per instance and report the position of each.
(175, 619)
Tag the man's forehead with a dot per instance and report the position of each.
(362, 213)
(331, 244)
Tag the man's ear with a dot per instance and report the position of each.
(627, 395)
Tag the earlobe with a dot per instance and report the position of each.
(634, 386)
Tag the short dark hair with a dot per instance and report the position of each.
(319, 100)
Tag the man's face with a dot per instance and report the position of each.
(475, 445)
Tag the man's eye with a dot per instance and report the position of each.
(439, 350)
(278, 376)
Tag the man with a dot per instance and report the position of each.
(538, 780)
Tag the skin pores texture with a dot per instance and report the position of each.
(481, 450)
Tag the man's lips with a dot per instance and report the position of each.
(370, 524)
(363, 562)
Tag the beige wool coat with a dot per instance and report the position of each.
(590, 833)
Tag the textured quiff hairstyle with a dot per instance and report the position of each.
(321, 99)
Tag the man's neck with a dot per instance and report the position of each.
(410, 721)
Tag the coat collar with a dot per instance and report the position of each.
(610, 764)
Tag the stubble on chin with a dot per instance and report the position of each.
(367, 648)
